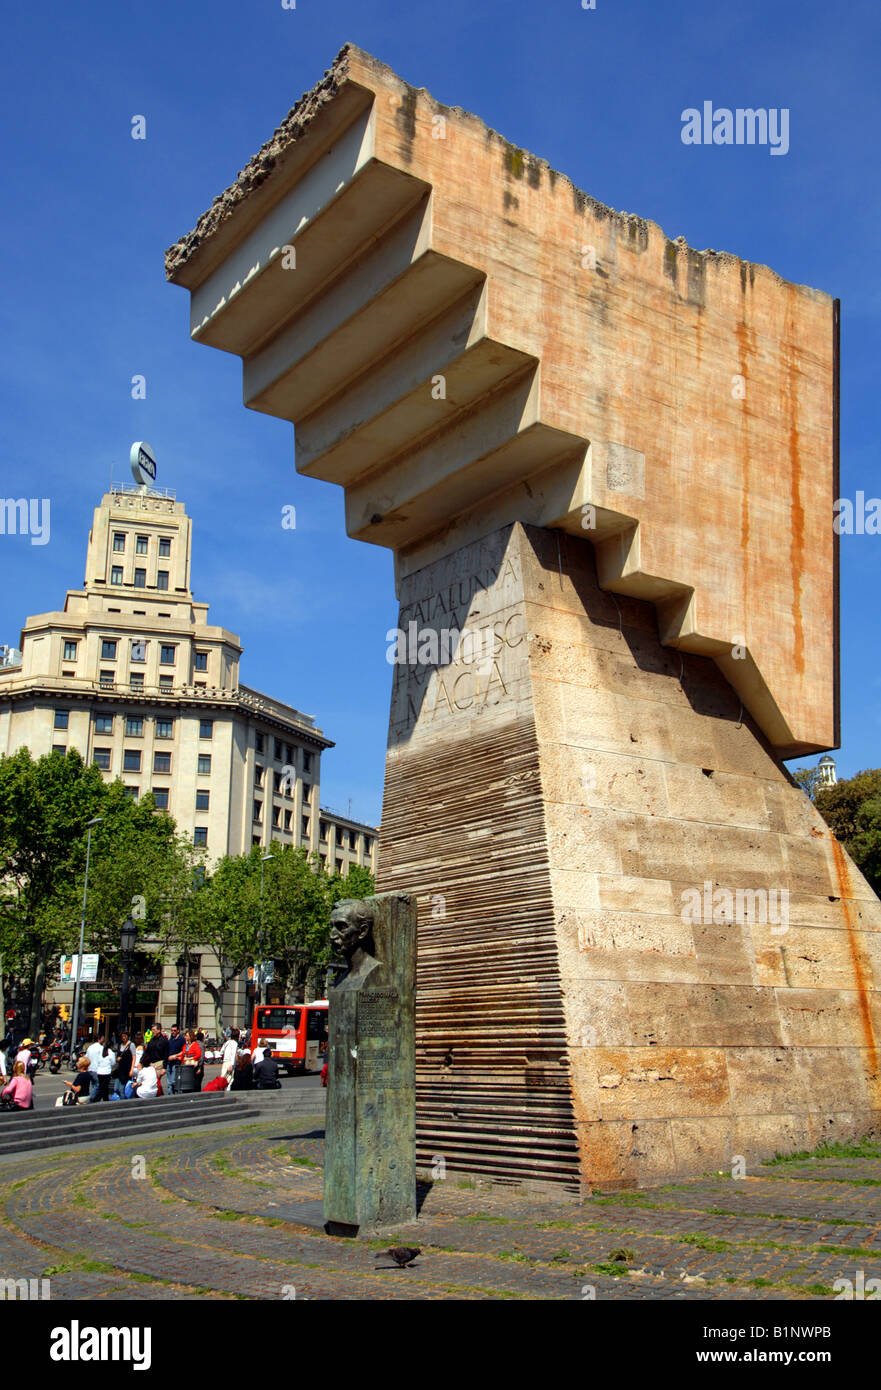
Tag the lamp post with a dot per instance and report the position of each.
(259, 980)
(128, 937)
(181, 980)
(96, 820)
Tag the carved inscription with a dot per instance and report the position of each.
(378, 1050)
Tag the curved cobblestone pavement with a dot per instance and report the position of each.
(223, 1216)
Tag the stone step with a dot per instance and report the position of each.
(79, 1125)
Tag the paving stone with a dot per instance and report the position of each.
(237, 1215)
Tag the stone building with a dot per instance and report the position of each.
(132, 674)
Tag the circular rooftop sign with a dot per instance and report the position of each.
(143, 462)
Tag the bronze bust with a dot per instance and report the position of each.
(351, 936)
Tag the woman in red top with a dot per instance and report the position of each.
(20, 1090)
(192, 1054)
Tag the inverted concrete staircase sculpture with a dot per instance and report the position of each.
(617, 455)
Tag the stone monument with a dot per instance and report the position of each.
(370, 1156)
(612, 459)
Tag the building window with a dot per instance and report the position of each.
(200, 661)
(166, 656)
(165, 728)
(289, 754)
(276, 815)
(200, 835)
(119, 540)
(367, 844)
(59, 748)
(258, 812)
(103, 723)
(307, 762)
(160, 796)
(108, 650)
(161, 762)
(136, 680)
(131, 792)
(116, 574)
(162, 579)
(352, 840)
(141, 545)
(101, 758)
(70, 651)
(202, 800)
(287, 820)
(276, 781)
(166, 682)
(107, 677)
(61, 718)
(204, 765)
(339, 867)
(258, 742)
(139, 650)
(258, 776)
(164, 545)
(134, 726)
(305, 827)
(255, 839)
(131, 760)
(140, 579)
(206, 728)
(276, 742)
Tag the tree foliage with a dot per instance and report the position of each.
(136, 857)
(853, 810)
(140, 865)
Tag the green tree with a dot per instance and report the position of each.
(853, 810)
(291, 926)
(45, 805)
(807, 778)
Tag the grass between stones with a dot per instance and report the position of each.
(863, 1148)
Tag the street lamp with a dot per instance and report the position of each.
(182, 964)
(79, 960)
(128, 936)
(259, 980)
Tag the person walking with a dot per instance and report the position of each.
(176, 1044)
(229, 1054)
(94, 1052)
(194, 1056)
(124, 1062)
(157, 1048)
(103, 1067)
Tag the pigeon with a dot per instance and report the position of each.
(403, 1255)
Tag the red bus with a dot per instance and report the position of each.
(297, 1034)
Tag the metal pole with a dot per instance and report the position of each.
(258, 969)
(79, 960)
(122, 1026)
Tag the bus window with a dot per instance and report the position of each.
(276, 1020)
(316, 1025)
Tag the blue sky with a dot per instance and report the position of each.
(599, 93)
